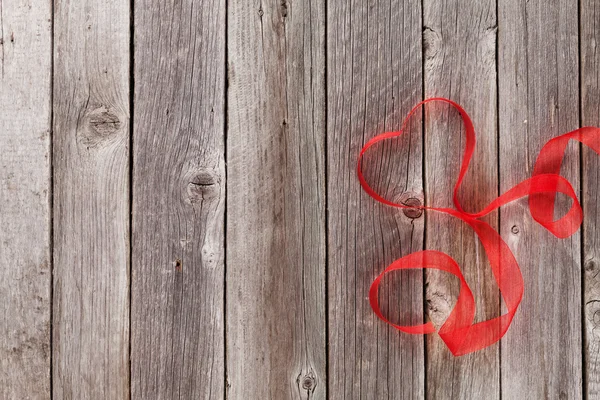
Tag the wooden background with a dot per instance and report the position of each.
(180, 216)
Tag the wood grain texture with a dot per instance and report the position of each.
(538, 100)
(25, 107)
(373, 80)
(590, 116)
(177, 315)
(460, 64)
(309, 82)
(91, 200)
(276, 201)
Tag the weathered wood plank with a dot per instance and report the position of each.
(539, 99)
(590, 113)
(374, 77)
(276, 204)
(460, 64)
(25, 104)
(177, 315)
(91, 200)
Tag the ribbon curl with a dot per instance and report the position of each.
(460, 334)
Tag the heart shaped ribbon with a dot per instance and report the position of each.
(460, 334)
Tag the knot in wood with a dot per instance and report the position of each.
(439, 305)
(592, 311)
(284, 8)
(308, 382)
(432, 42)
(590, 266)
(203, 185)
(563, 395)
(104, 122)
(412, 213)
(99, 125)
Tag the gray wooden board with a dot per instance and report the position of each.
(590, 113)
(177, 311)
(460, 64)
(91, 200)
(25, 107)
(276, 336)
(374, 77)
(538, 100)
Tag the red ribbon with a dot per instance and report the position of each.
(460, 334)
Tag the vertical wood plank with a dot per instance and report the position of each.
(276, 203)
(177, 344)
(91, 198)
(590, 113)
(460, 64)
(25, 104)
(374, 77)
(539, 99)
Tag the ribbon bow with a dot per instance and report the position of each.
(460, 334)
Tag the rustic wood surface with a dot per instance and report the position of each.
(539, 99)
(25, 261)
(177, 310)
(90, 348)
(374, 78)
(590, 116)
(276, 201)
(217, 244)
(460, 64)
